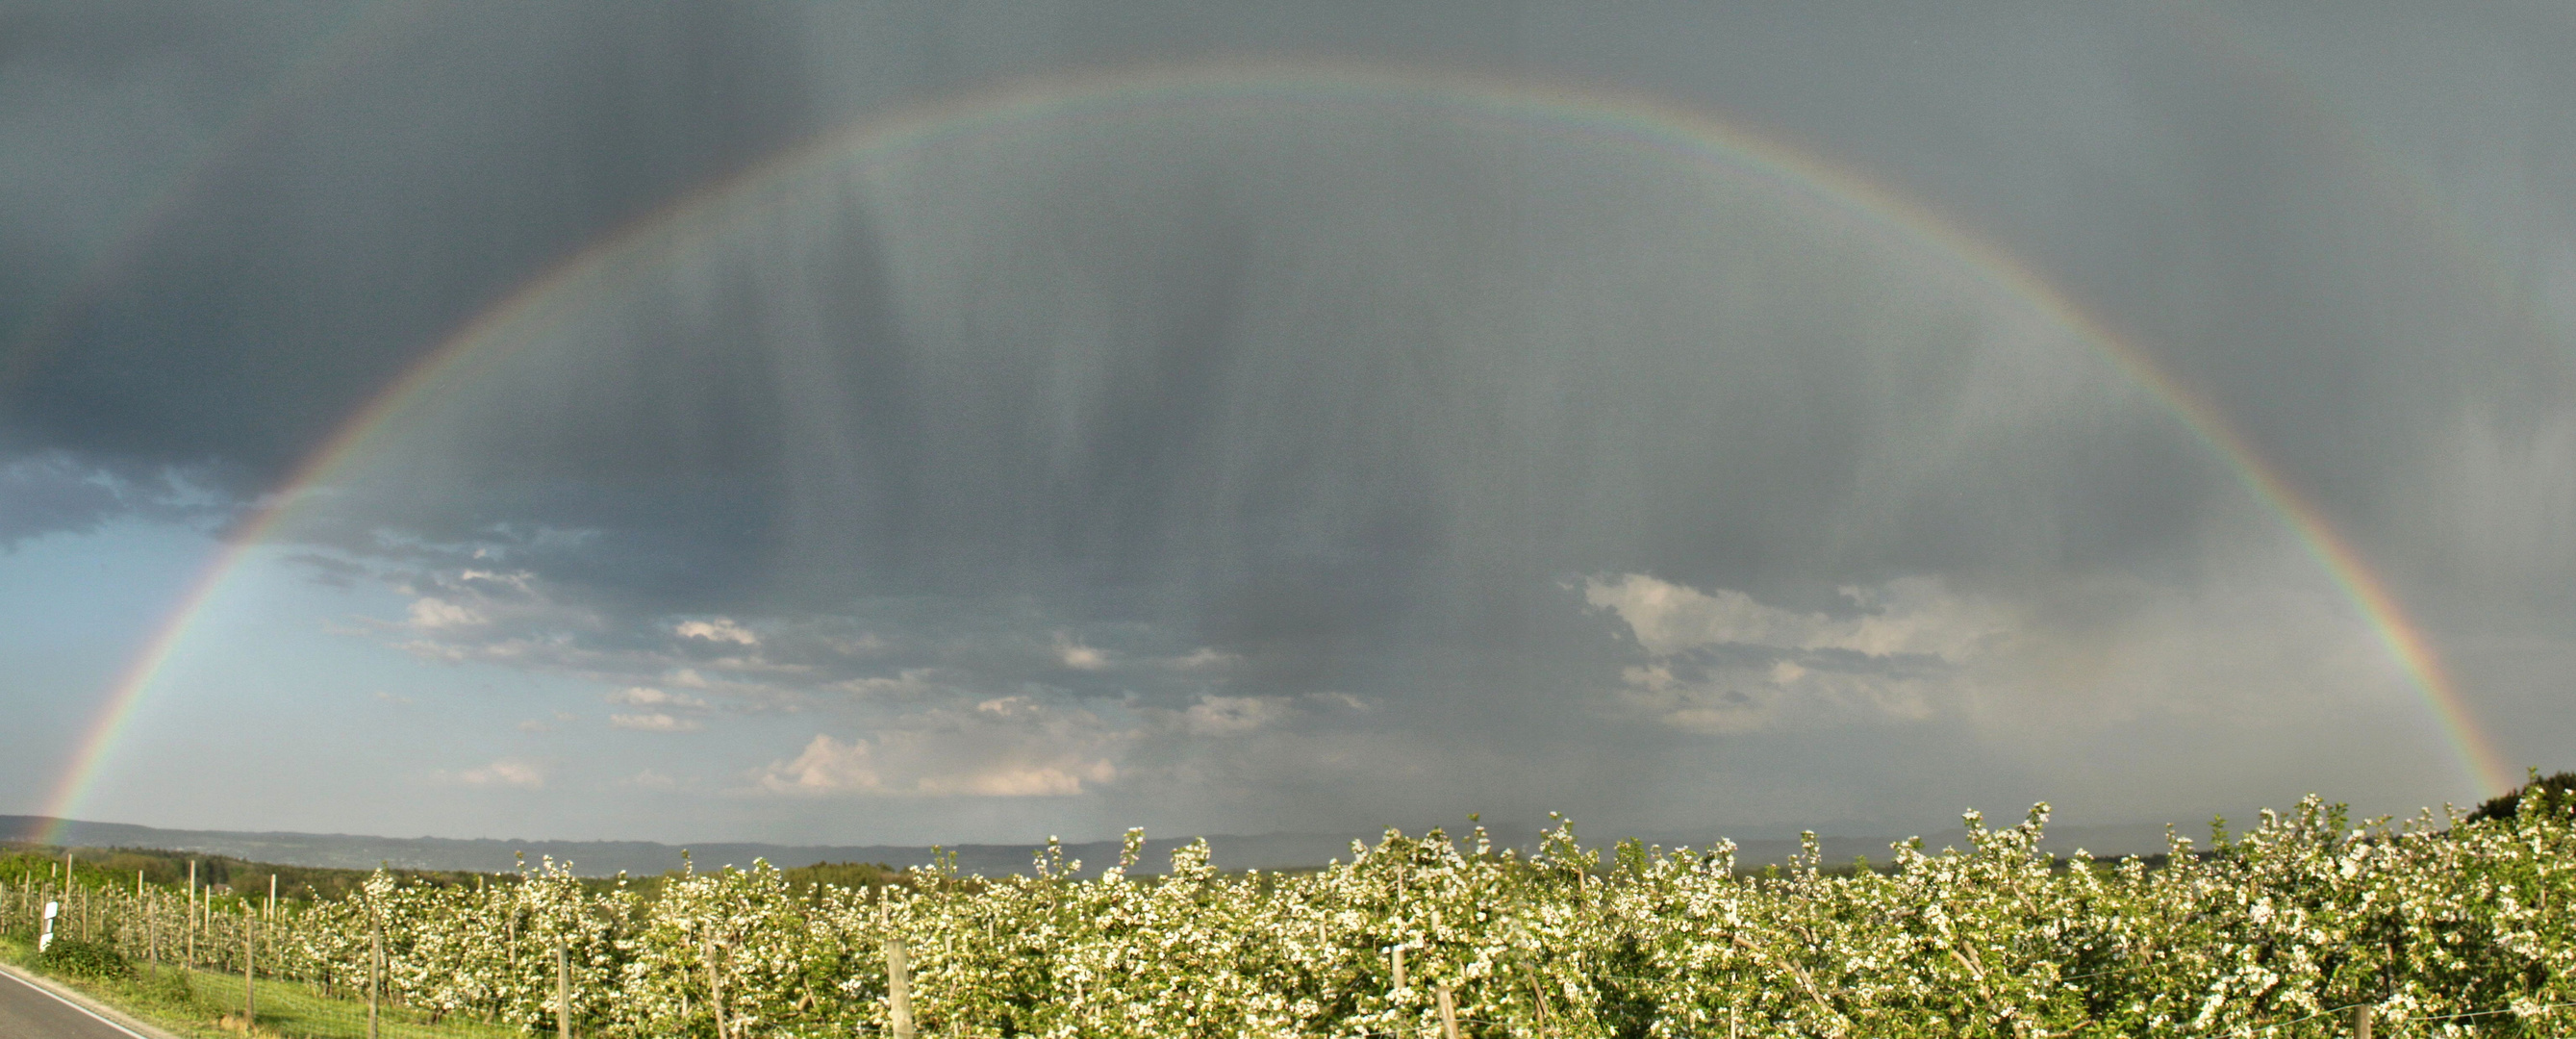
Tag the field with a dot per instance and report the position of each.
(2440, 926)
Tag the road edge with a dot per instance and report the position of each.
(83, 1001)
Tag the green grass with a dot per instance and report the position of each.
(207, 1005)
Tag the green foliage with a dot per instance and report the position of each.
(854, 875)
(116, 868)
(81, 959)
(2552, 796)
(2440, 927)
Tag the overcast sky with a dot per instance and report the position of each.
(944, 421)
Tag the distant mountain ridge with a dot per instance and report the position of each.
(604, 858)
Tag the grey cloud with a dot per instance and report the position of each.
(48, 491)
(1184, 417)
(348, 232)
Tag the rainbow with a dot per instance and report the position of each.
(1578, 111)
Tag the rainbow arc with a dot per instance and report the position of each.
(1633, 120)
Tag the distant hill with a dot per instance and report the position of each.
(603, 858)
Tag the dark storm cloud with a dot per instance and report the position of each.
(351, 187)
(1303, 397)
(448, 155)
(1192, 444)
(465, 149)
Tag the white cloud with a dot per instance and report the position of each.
(1205, 658)
(1914, 615)
(518, 581)
(826, 766)
(911, 683)
(647, 696)
(1019, 781)
(396, 699)
(1011, 746)
(720, 629)
(1011, 708)
(2089, 653)
(433, 614)
(1723, 662)
(504, 618)
(1073, 654)
(509, 772)
(655, 722)
(830, 766)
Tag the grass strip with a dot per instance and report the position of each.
(202, 1004)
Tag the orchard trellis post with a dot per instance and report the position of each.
(250, 953)
(715, 987)
(375, 965)
(898, 987)
(899, 975)
(563, 993)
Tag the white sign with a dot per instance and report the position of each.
(52, 908)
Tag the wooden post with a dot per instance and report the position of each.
(1731, 1022)
(1448, 1012)
(270, 914)
(563, 992)
(2361, 1022)
(190, 960)
(375, 967)
(1399, 966)
(898, 987)
(715, 987)
(250, 951)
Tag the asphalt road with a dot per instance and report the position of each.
(28, 1012)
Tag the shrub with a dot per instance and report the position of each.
(83, 960)
(2557, 795)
